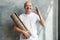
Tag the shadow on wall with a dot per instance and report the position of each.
(8, 24)
(9, 32)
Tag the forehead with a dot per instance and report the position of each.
(28, 3)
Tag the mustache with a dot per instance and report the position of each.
(28, 8)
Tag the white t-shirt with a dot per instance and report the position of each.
(29, 21)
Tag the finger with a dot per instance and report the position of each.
(29, 33)
(25, 36)
(36, 10)
(28, 36)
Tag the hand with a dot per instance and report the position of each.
(26, 34)
(36, 11)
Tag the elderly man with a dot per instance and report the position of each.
(29, 19)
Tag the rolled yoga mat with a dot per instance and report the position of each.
(18, 22)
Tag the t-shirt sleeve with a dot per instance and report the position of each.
(37, 17)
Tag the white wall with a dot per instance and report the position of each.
(49, 25)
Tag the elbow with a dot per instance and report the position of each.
(15, 29)
(42, 23)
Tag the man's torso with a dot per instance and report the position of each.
(30, 23)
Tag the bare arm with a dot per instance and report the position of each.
(42, 22)
(16, 29)
(25, 33)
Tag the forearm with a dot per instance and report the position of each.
(16, 29)
(26, 34)
(42, 22)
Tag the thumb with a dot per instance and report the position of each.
(29, 32)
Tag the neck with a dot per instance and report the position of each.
(27, 12)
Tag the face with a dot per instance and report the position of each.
(28, 7)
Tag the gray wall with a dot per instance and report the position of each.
(7, 7)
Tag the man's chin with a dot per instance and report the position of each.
(29, 10)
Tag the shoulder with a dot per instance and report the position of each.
(34, 14)
(37, 17)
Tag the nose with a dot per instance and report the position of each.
(28, 7)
